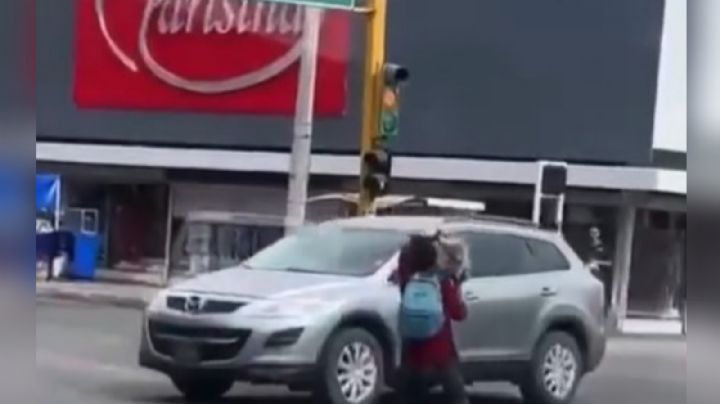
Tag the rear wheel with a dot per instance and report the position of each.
(351, 369)
(196, 389)
(555, 372)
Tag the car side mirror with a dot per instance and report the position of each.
(592, 265)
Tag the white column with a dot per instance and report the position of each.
(300, 156)
(671, 122)
(165, 278)
(623, 263)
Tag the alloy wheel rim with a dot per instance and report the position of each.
(357, 372)
(559, 371)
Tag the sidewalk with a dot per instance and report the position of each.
(110, 287)
(132, 296)
(638, 326)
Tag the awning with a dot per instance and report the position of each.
(622, 178)
(47, 192)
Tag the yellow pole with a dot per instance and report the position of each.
(376, 23)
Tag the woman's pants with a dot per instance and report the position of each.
(416, 385)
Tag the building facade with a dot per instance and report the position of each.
(495, 87)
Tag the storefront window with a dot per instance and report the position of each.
(208, 246)
(591, 231)
(658, 265)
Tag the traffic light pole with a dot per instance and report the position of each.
(374, 60)
(299, 170)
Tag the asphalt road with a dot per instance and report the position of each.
(87, 354)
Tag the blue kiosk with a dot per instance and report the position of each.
(81, 247)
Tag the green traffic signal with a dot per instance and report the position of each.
(389, 124)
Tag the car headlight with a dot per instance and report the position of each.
(290, 308)
(158, 302)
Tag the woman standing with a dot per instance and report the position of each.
(433, 361)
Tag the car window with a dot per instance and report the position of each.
(332, 250)
(546, 256)
(494, 254)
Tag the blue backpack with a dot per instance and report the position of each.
(422, 315)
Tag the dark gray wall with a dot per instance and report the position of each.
(525, 79)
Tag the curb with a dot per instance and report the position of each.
(137, 303)
(652, 337)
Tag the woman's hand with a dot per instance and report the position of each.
(460, 276)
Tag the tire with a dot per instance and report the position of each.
(555, 345)
(202, 389)
(340, 349)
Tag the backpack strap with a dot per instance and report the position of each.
(435, 277)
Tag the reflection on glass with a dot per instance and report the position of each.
(331, 250)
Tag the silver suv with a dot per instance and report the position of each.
(316, 311)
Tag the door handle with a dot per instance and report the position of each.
(471, 297)
(548, 292)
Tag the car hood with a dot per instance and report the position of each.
(259, 284)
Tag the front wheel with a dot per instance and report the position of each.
(556, 371)
(202, 389)
(351, 369)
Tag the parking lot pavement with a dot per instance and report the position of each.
(87, 354)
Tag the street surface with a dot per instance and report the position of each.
(87, 354)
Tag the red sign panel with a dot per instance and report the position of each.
(204, 55)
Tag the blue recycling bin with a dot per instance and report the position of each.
(86, 250)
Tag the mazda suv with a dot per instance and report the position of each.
(317, 311)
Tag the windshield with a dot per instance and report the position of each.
(332, 250)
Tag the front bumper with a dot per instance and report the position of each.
(288, 374)
(247, 355)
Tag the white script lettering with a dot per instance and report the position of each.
(226, 16)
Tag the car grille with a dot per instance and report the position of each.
(210, 306)
(212, 343)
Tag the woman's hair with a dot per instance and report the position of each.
(421, 253)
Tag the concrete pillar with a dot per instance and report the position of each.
(623, 263)
(165, 278)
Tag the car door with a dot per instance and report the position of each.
(504, 294)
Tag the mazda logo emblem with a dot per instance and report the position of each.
(193, 304)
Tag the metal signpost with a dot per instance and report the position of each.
(299, 170)
(375, 32)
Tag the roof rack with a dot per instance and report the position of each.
(390, 202)
(494, 219)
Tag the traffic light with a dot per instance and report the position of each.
(554, 179)
(549, 198)
(393, 76)
(376, 156)
(377, 167)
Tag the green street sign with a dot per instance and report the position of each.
(338, 4)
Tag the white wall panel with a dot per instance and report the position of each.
(670, 132)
